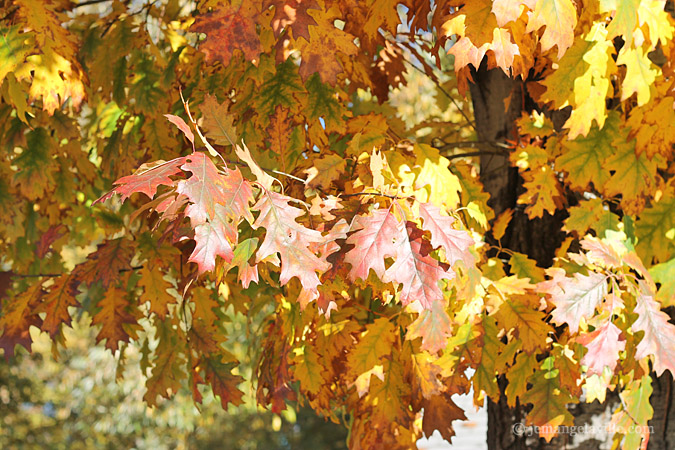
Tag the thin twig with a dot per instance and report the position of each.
(469, 154)
(89, 2)
(56, 275)
(356, 194)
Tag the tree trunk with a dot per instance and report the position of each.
(539, 239)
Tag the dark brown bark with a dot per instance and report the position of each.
(539, 239)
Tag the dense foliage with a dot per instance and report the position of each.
(261, 162)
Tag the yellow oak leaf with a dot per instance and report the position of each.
(441, 185)
(559, 17)
(640, 74)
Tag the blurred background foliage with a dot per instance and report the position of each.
(78, 401)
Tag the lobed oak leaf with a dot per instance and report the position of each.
(155, 290)
(211, 241)
(289, 239)
(640, 74)
(485, 378)
(465, 53)
(147, 179)
(504, 49)
(433, 326)
(659, 334)
(443, 185)
(223, 382)
(584, 157)
(528, 323)
(374, 343)
(209, 190)
(524, 267)
(325, 171)
(117, 323)
(320, 52)
(479, 21)
(624, 20)
(543, 192)
(18, 315)
(217, 122)
(635, 177)
(455, 243)
(228, 28)
(308, 370)
(426, 380)
(105, 265)
(439, 413)
(549, 401)
(653, 125)
(576, 298)
(167, 372)
(55, 304)
(373, 242)
(560, 18)
(603, 346)
(518, 376)
(654, 230)
(415, 270)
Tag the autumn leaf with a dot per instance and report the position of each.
(289, 239)
(549, 401)
(314, 58)
(17, 317)
(375, 342)
(155, 290)
(293, 15)
(665, 275)
(56, 302)
(603, 346)
(518, 376)
(443, 185)
(105, 264)
(576, 298)
(560, 18)
(117, 323)
(146, 179)
(433, 326)
(168, 368)
(439, 413)
(528, 323)
(229, 28)
(455, 243)
(218, 122)
(372, 243)
(416, 271)
(659, 334)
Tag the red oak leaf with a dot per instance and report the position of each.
(415, 270)
(291, 240)
(603, 347)
(228, 28)
(146, 179)
(576, 298)
(659, 337)
(372, 243)
(456, 243)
